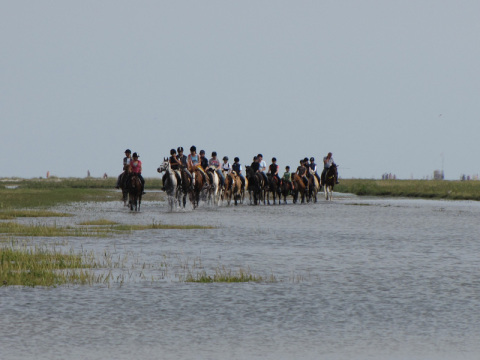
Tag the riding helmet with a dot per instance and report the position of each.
(214, 153)
(193, 148)
(135, 155)
(312, 159)
(172, 152)
(225, 158)
(180, 149)
(260, 155)
(236, 159)
(306, 159)
(202, 152)
(128, 151)
(274, 159)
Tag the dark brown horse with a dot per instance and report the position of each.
(198, 187)
(187, 188)
(256, 185)
(300, 188)
(330, 179)
(274, 188)
(135, 192)
(285, 189)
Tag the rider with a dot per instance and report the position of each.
(175, 165)
(287, 176)
(237, 168)
(301, 171)
(215, 164)
(136, 168)
(184, 167)
(313, 166)
(255, 166)
(273, 170)
(193, 162)
(126, 163)
(327, 162)
(203, 160)
(226, 165)
(263, 167)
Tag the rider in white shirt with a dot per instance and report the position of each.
(263, 167)
(215, 163)
(226, 165)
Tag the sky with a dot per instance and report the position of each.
(386, 86)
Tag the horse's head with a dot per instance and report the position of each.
(164, 166)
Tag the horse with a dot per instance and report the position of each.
(300, 187)
(172, 183)
(330, 178)
(313, 186)
(285, 190)
(186, 188)
(274, 188)
(233, 188)
(214, 190)
(197, 186)
(123, 186)
(135, 192)
(256, 185)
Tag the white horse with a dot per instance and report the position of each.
(214, 192)
(171, 184)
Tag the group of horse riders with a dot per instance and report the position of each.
(187, 164)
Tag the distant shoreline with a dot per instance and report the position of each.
(425, 189)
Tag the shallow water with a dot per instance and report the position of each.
(357, 278)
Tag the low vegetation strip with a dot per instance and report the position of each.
(42, 267)
(225, 275)
(12, 214)
(429, 189)
(99, 228)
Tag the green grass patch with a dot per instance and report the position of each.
(224, 275)
(428, 189)
(12, 214)
(102, 229)
(42, 267)
(99, 222)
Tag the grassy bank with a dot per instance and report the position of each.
(428, 189)
(44, 193)
(42, 267)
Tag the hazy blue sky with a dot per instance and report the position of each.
(387, 86)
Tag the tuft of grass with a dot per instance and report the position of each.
(153, 226)
(225, 275)
(42, 267)
(12, 214)
(99, 222)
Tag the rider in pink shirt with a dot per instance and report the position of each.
(136, 168)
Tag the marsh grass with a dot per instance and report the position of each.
(42, 267)
(429, 189)
(12, 214)
(224, 275)
(99, 222)
(101, 229)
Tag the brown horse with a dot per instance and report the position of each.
(135, 192)
(233, 188)
(187, 187)
(285, 189)
(256, 186)
(274, 188)
(300, 187)
(197, 187)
